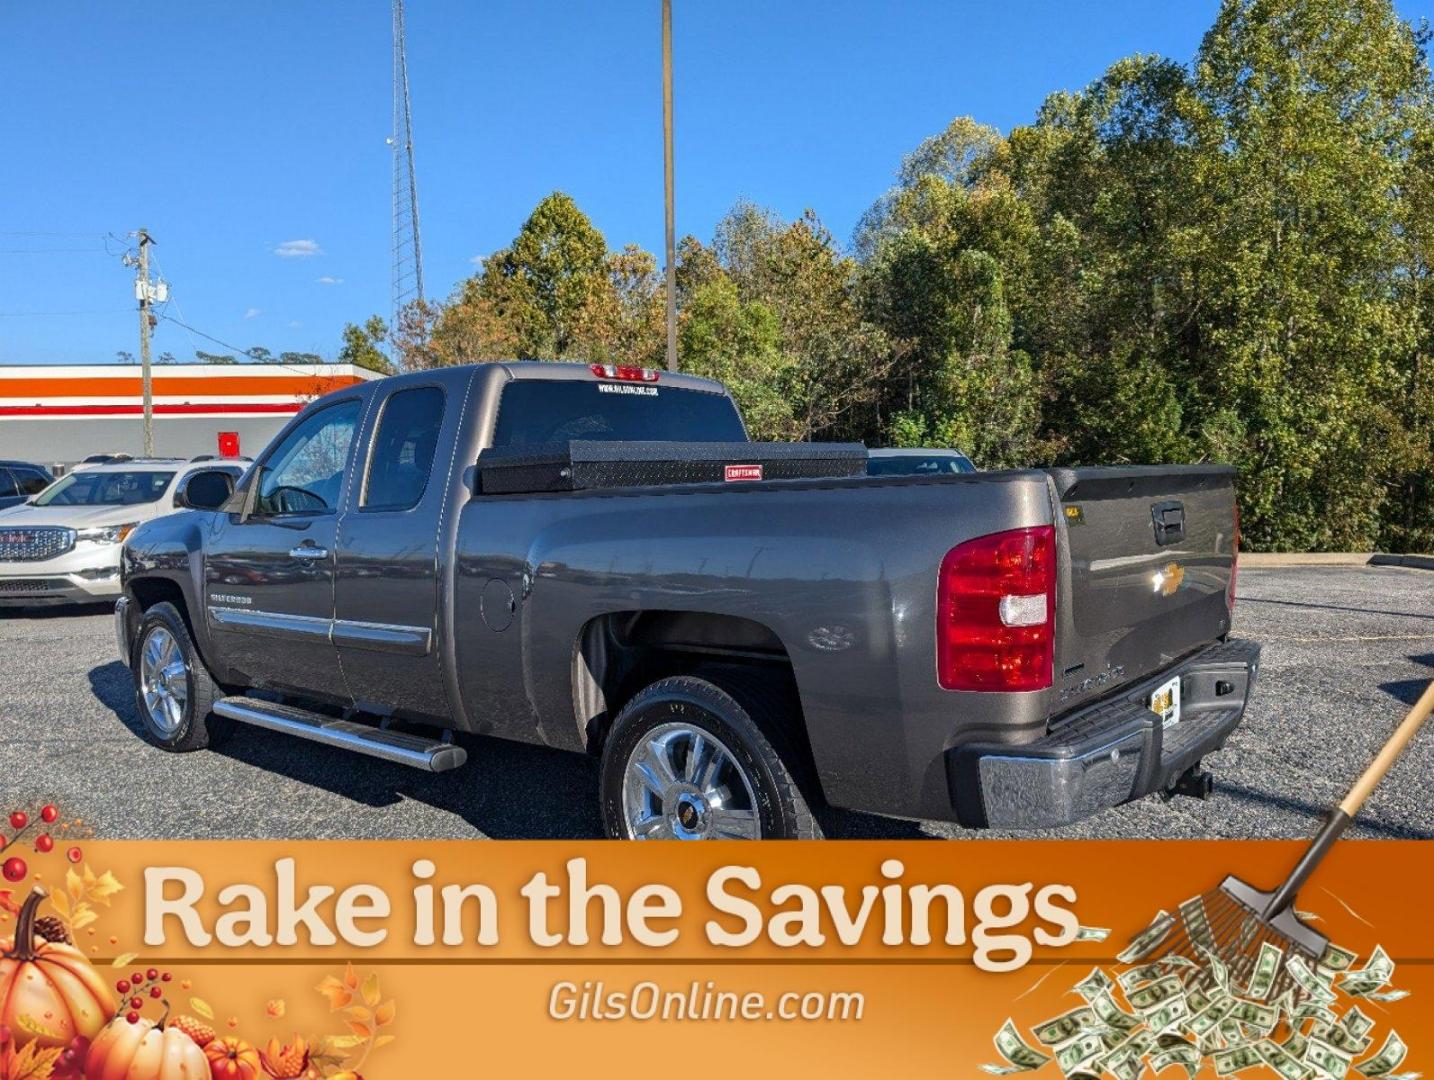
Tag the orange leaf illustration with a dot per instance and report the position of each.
(338, 994)
(351, 979)
(363, 1031)
(276, 1008)
(384, 1014)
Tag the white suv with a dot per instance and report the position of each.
(63, 545)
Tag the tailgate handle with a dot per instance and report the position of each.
(1169, 519)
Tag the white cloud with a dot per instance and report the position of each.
(298, 249)
(326, 280)
(294, 324)
(477, 260)
(252, 313)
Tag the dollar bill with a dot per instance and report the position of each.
(1375, 974)
(1186, 1055)
(1112, 1015)
(1208, 1019)
(1329, 1060)
(1197, 922)
(1267, 966)
(1149, 939)
(1217, 969)
(1067, 1026)
(1355, 1022)
(1296, 1043)
(1341, 1037)
(1020, 1056)
(1391, 1055)
(1387, 995)
(1313, 1010)
(1308, 981)
(1168, 1015)
(1259, 1016)
(1336, 959)
(1144, 973)
(1080, 1052)
(1281, 1060)
(1092, 933)
(1094, 984)
(1236, 1059)
(1146, 998)
(1197, 998)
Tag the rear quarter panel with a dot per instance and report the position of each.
(842, 572)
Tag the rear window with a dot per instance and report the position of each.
(549, 410)
(918, 465)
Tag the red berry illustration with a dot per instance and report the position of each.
(14, 869)
(122, 986)
(166, 977)
(49, 812)
(44, 843)
(19, 819)
(74, 854)
(136, 1003)
(132, 1017)
(155, 992)
(137, 978)
(152, 974)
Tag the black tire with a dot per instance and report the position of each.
(198, 727)
(746, 729)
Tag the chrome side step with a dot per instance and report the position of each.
(430, 755)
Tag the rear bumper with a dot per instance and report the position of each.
(1109, 753)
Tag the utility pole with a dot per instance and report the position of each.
(668, 183)
(145, 294)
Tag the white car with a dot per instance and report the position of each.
(63, 545)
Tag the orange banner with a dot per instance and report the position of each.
(784, 963)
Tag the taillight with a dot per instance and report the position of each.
(996, 612)
(624, 372)
(1234, 562)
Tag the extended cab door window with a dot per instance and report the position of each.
(305, 473)
(401, 458)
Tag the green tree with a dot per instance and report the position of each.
(214, 358)
(362, 345)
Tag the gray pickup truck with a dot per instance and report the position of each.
(595, 558)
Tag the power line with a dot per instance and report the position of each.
(50, 251)
(232, 348)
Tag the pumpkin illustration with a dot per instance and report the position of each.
(144, 1050)
(233, 1059)
(49, 994)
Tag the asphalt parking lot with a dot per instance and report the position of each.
(1347, 649)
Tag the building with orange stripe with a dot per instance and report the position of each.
(61, 415)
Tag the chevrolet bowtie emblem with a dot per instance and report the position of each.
(1167, 579)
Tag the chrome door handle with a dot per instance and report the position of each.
(309, 552)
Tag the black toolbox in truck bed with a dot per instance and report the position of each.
(584, 465)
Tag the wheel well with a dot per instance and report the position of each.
(150, 591)
(619, 654)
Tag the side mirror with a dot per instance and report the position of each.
(206, 489)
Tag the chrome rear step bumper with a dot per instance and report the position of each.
(403, 748)
(1108, 753)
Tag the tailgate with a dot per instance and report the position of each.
(1150, 552)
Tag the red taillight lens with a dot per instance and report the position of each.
(996, 612)
(624, 372)
(1234, 562)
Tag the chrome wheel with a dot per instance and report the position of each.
(682, 783)
(163, 680)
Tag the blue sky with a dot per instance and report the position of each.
(234, 131)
